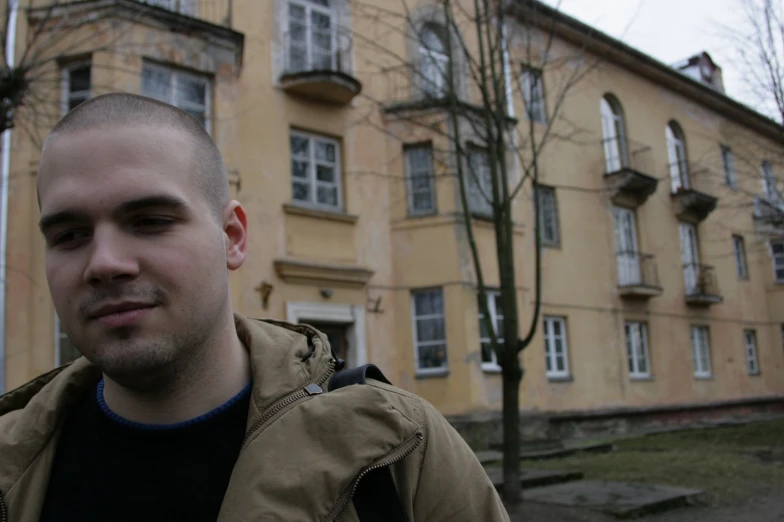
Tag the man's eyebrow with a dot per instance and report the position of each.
(70, 215)
(64, 216)
(155, 201)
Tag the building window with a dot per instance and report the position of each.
(549, 231)
(76, 85)
(728, 164)
(613, 134)
(433, 61)
(186, 91)
(626, 254)
(740, 257)
(532, 85)
(701, 351)
(312, 37)
(690, 257)
(495, 307)
(769, 185)
(480, 183)
(555, 347)
(637, 349)
(429, 330)
(750, 343)
(315, 170)
(420, 180)
(64, 349)
(777, 251)
(186, 7)
(676, 153)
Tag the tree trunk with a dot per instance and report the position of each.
(512, 375)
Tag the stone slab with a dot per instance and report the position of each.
(490, 456)
(534, 478)
(621, 499)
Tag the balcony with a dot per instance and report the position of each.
(768, 215)
(702, 286)
(627, 173)
(317, 65)
(692, 205)
(216, 12)
(638, 276)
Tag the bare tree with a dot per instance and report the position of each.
(476, 59)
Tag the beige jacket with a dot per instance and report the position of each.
(303, 453)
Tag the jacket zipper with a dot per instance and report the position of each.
(396, 455)
(285, 402)
(3, 509)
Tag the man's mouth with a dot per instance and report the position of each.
(121, 314)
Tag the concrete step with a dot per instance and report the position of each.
(534, 478)
(620, 499)
(489, 457)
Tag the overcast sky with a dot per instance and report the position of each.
(668, 30)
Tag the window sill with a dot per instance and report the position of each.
(429, 374)
(642, 378)
(560, 378)
(297, 209)
(755, 374)
(415, 215)
(705, 377)
(491, 368)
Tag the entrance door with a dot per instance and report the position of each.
(337, 337)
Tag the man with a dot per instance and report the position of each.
(181, 409)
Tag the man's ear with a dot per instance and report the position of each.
(235, 234)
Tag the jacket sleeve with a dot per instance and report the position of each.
(453, 484)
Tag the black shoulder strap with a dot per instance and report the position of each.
(376, 498)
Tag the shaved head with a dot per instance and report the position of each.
(134, 111)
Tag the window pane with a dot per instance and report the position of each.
(296, 12)
(487, 353)
(327, 195)
(325, 151)
(557, 328)
(778, 247)
(301, 191)
(73, 101)
(198, 116)
(559, 363)
(423, 201)
(79, 79)
(191, 91)
(156, 83)
(325, 173)
(299, 169)
(299, 146)
(433, 356)
(428, 302)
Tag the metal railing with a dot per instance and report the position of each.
(407, 83)
(622, 153)
(314, 50)
(637, 269)
(214, 11)
(700, 280)
(768, 211)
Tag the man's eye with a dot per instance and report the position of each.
(152, 222)
(69, 237)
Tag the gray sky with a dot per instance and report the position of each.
(668, 30)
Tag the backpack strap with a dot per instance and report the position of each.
(376, 498)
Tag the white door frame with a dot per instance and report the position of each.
(353, 316)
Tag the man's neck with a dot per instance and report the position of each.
(204, 385)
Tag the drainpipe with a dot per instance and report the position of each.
(5, 170)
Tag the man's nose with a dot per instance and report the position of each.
(112, 259)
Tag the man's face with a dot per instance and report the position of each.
(136, 261)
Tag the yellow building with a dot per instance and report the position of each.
(663, 265)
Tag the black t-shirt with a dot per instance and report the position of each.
(110, 469)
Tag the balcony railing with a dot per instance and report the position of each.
(317, 64)
(768, 212)
(628, 167)
(638, 275)
(407, 87)
(217, 12)
(702, 286)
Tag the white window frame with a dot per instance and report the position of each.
(676, 153)
(532, 85)
(636, 334)
(174, 77)
(690, 257)
(750, 349)
(433, 66)
(626, 248)
(439, 370)
(739, 249)
(495, 317)
(549, 346)
(613, 134)
(772, 194)
(312, 174)
(412, 172)
(479, 182)
(542, 192)
(309, 8)
(777, 259)
(700, 348)
(66, 95)
(728, 165)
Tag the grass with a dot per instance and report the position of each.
(729, 464)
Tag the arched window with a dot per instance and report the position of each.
(613, 134)
(676, 152)
(434, 60)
